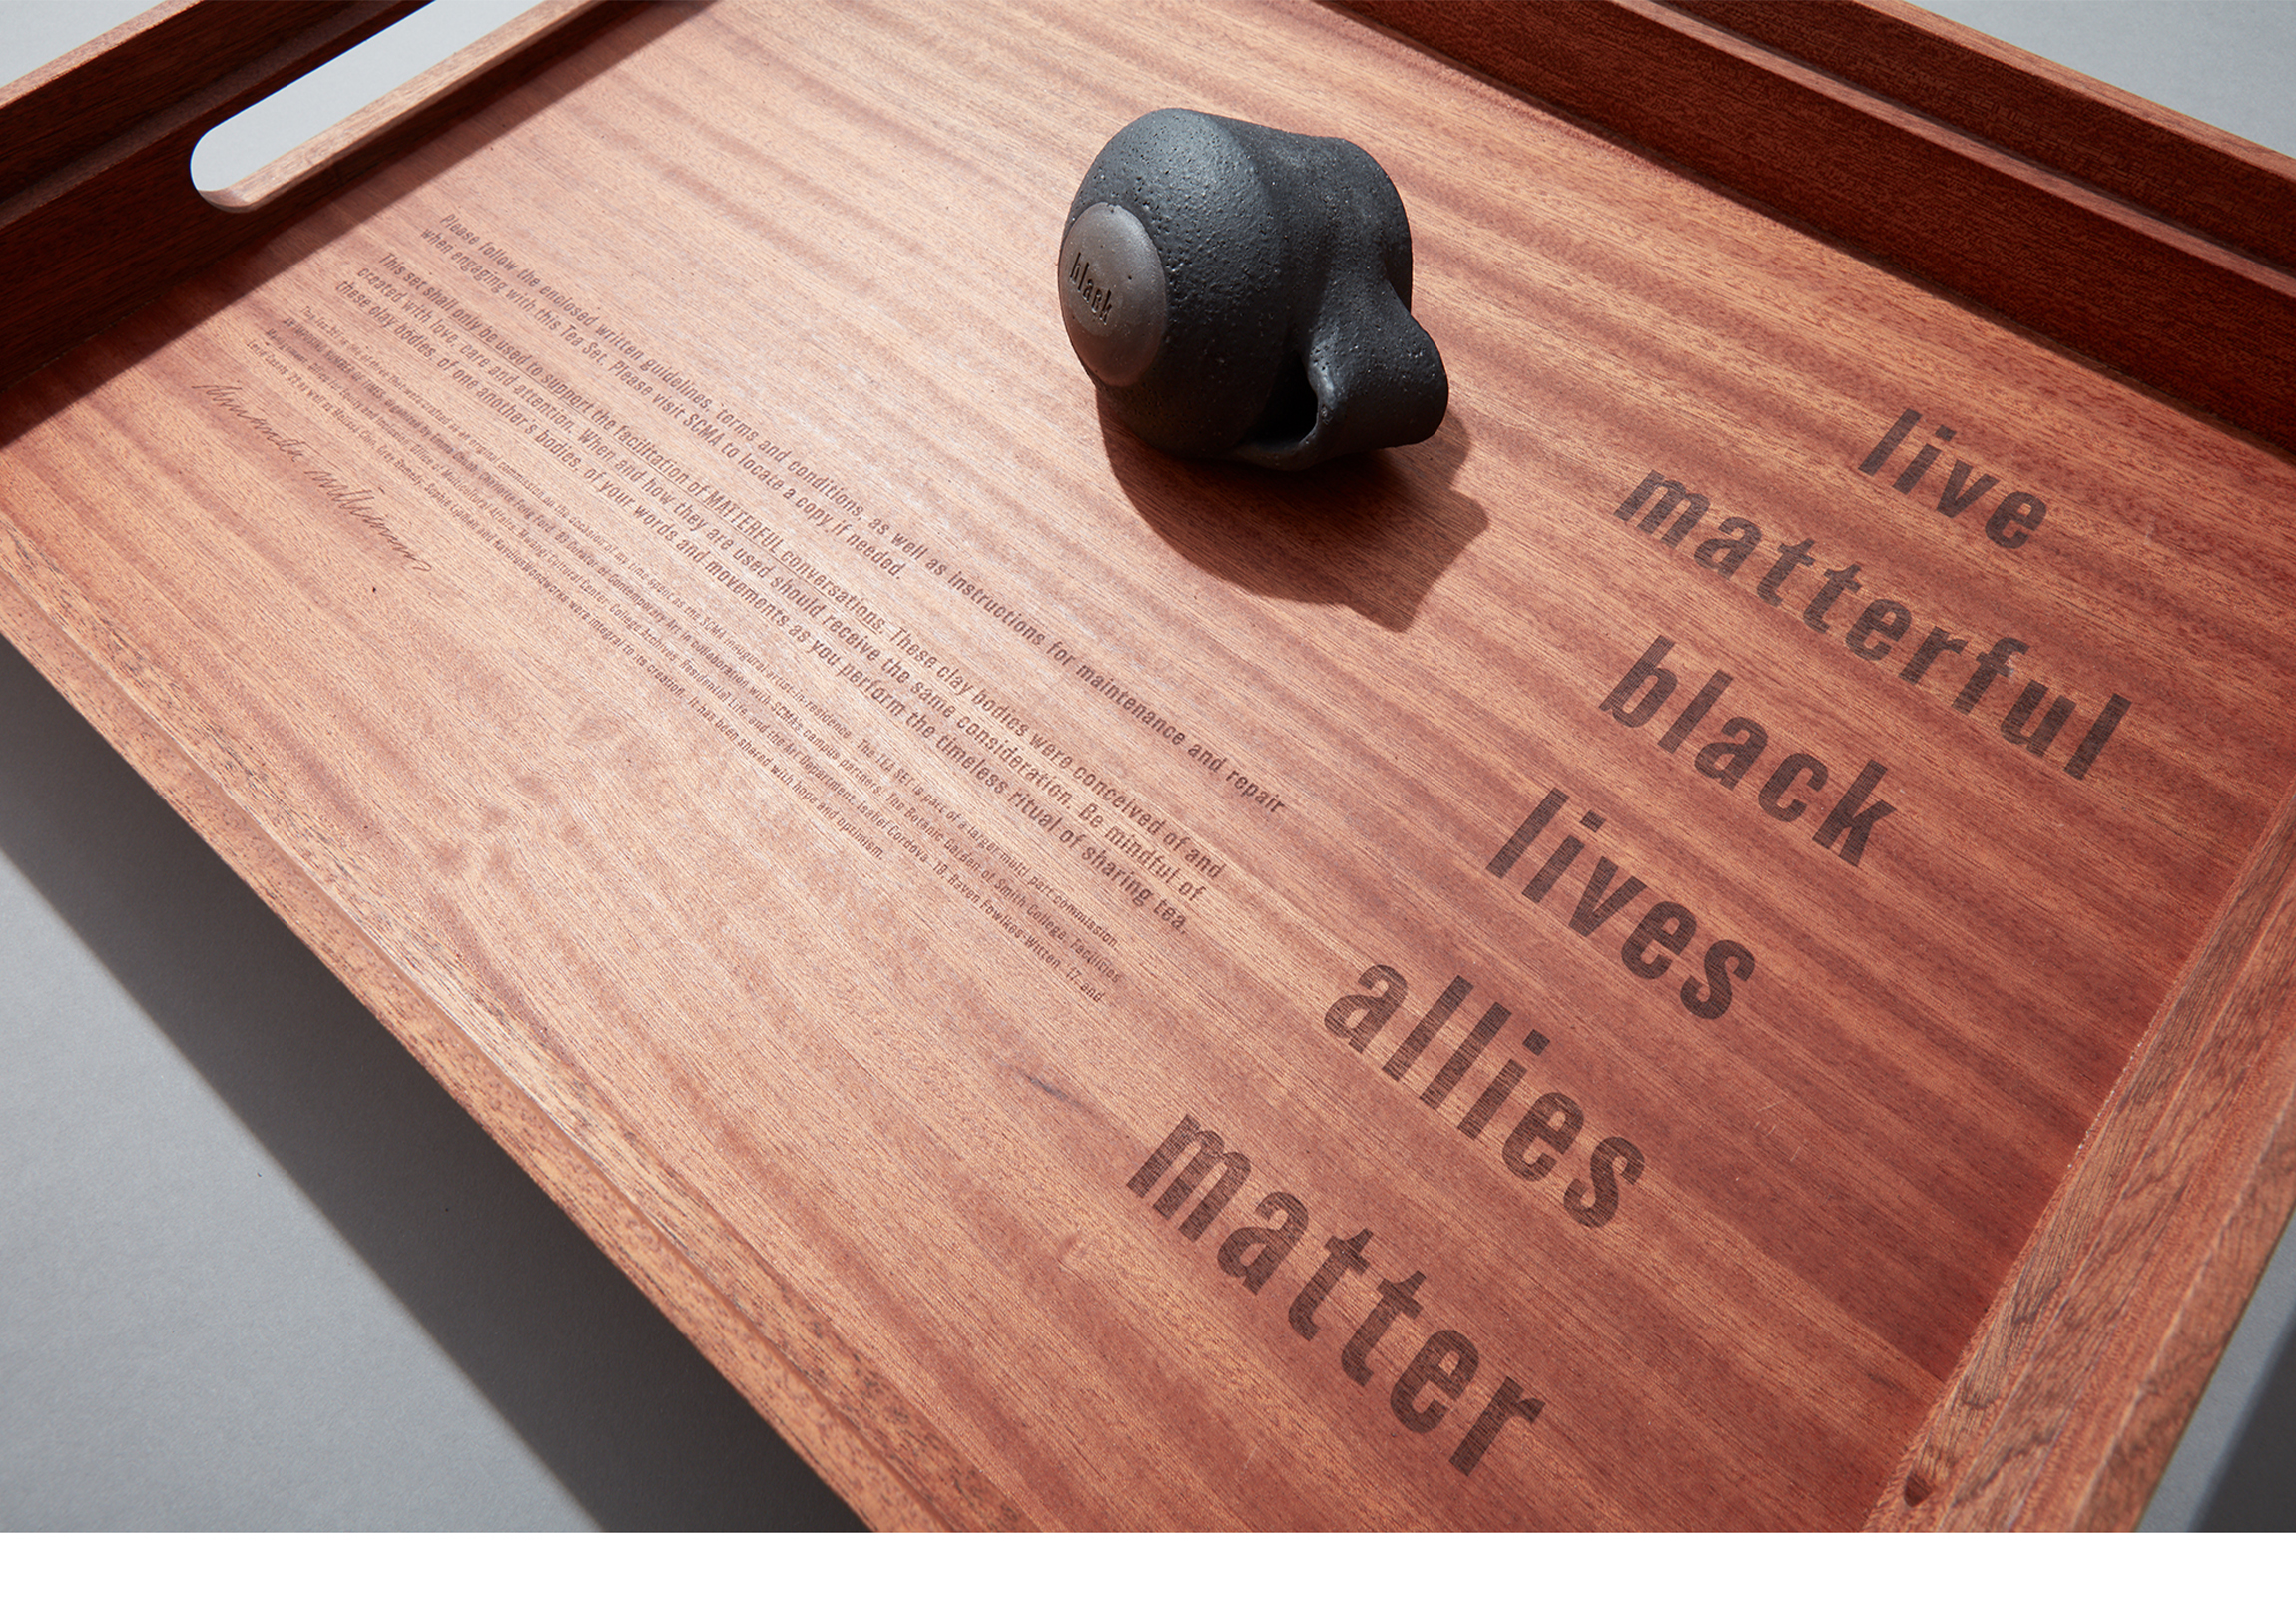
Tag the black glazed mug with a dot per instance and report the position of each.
(1244, 292)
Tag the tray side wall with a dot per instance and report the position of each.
(2195, 316)
(2067, 1406)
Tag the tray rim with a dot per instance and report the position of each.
(2067, 1403)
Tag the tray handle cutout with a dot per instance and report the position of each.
(99, 213)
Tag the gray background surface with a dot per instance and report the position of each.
(257, 1271)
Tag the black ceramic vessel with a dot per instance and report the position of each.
(1245, 292)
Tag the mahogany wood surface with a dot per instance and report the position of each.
(2214, 181)
(1839, 134)
(431, 97)
(85, 99)
(98, 211)
(641, 585)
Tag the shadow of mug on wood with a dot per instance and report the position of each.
(1373, 532)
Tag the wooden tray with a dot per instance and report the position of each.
(1709, 948)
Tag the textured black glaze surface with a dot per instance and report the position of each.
(1284, 301)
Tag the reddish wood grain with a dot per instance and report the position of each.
(2070, 1402)
(776, 1348)
(2214, 181)
(84, 100)
(2092, 266)
(97, 208)
(514, 564)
